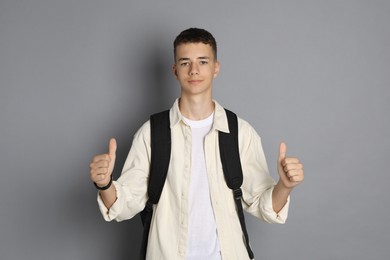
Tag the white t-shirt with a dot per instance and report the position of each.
(202, 232)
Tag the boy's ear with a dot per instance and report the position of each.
(174, 70)
(217, 68)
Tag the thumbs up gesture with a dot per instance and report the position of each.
(102, 165)
(290, 169)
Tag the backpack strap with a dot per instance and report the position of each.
(230, 156)
(160, 156)
(232, 170)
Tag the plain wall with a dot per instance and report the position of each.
(312, 73)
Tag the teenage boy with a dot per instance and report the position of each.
(196, 217)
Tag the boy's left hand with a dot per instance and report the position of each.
(290, 169)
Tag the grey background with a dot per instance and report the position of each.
(312, 73)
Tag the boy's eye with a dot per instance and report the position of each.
(203, 62)
(183, 64)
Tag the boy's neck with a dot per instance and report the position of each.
(196, 108)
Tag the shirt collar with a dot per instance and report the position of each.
(220, 122)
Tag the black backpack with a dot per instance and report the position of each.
(160, 157)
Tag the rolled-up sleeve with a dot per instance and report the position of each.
(113, 212)
(268, 213)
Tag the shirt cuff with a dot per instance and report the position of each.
(269, 214)
(113, 212)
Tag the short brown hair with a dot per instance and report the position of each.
(195, 35)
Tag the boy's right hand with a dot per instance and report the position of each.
(102, 165)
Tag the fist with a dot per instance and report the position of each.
(102, 165)
(290, 169)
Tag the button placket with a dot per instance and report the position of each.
(184, 191)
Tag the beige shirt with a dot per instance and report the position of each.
(169, 227)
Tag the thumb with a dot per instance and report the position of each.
(112, 147)
(282, 151)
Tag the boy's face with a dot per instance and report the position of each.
(195, 68)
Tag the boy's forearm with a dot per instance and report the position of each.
(279, 196)
(108, 196)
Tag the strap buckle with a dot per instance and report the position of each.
(237, 194)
